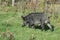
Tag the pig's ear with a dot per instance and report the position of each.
(22, 17)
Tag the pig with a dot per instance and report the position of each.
(36, 18)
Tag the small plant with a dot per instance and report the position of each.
(32, 37)
(7, 35)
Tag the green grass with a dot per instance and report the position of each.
(13, 22)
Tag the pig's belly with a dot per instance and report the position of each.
(37, 23)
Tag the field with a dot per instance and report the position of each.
(11, 21)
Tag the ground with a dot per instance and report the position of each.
(13, 22)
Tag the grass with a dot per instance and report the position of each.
(11, 21)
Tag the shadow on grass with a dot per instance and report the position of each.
(45, 27)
